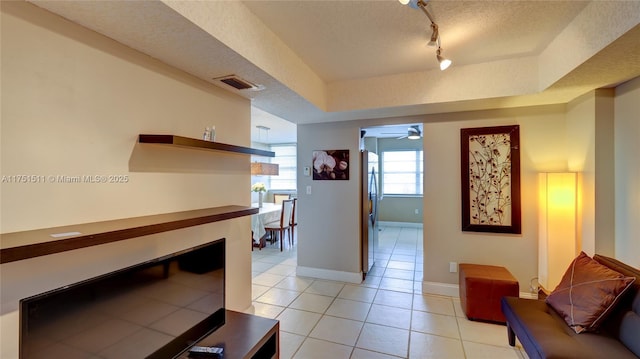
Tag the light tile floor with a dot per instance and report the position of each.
(386, 316)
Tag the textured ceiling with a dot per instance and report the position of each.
(323, 61)
(343, 40)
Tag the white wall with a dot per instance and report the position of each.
(590, 122)
(581, 159)
(627, 172)
(329, 244)
(73, 103)
(543, 148)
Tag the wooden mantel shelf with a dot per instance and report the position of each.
(187, 142)
(40, 242)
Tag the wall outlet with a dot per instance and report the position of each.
(453, 267)
(417, 211)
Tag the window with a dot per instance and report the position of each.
(402, 172)
(286, 158)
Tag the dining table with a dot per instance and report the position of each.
(269, 212)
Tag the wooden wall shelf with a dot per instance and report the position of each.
(40, 242)
(187, 142)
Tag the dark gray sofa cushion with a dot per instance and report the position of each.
(624, 321)
(630, 330)
(544, 334)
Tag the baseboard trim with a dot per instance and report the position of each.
(453, 290)
(450, 290)
(400, 224)
(320, 273)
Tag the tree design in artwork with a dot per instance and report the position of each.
(490, 179)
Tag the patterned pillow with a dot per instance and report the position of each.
(587, 292)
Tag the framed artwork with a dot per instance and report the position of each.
(331, 165)
(491, 179)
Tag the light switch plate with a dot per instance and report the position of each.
(453, 267)
(308, 189)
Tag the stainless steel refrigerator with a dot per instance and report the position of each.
(369, 209)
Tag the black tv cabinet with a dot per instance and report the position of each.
(245, 336)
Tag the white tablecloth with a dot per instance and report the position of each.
(268, 213)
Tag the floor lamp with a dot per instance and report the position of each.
(557, 220)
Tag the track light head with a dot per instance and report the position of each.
(435, 34)
(444, 62)
(415, 4)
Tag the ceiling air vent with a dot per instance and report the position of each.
(238, 83)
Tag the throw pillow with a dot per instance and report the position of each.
(587, 293)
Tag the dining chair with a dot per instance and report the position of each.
(283, 225)
(279, 197)
(261, 243)
(292, 222)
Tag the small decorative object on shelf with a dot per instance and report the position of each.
(206, 136)
(212, 134)
(209, 134)
(260, 188)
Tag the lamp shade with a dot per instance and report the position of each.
(444, 62)
(557, 223)
(265, 169)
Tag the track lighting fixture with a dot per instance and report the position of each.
(444, 62)
(435, 34)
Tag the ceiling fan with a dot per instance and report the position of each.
(413, 133)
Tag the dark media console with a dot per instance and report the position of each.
(244, 336)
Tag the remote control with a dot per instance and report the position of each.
(208, 351)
